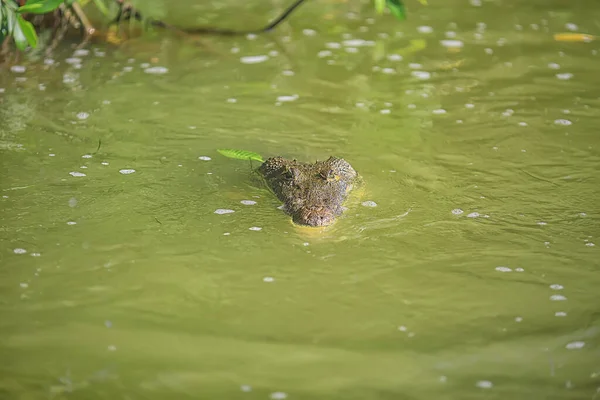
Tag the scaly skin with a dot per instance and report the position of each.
(313, 194)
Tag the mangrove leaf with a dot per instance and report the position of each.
(241, 154)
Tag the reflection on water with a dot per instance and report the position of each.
(137, 261)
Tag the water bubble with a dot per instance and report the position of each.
(385, 111)
(287, 98)
(415, 66)
(83, 115)
(126, 171)
(503, 269)
(246, 388)
(518, 319)
(204, 158)
(402, 328)
(248, 202)
(71, 223)
(560, 314)
(268, 279)
(24, 285)
(570, 26)
(255, 228)
(104, 163)
(278, 395)
(519, 269)
(575, 345)
(522, 123)
(351, 50)
(556, 286)
(590, 244)
(484, 384)
(457, 211)
(553, 66)
(557, 297)
(565, 122)
(324, 53)
(333, 45)
(86, 156)
(421, 74)
(309, 32)
(394, 57)
(253, 59)
(77, 174)
(473, 215)
(424, 29)
(223, 211)
(565, 76)
(369, 203)
(112, 348)
(439, 111)
(469, 105)
(19, 251)
(156, 70)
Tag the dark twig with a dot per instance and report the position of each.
(222, 31)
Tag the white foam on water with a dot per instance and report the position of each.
(255, 228)
(268, 279)
(127, 171)
(484, 384)
(204, 158)
(421, 74)
(560, 314)
(564, 122)
(385, 111)
(73, 60)
(248, 202)
(246, 388)
(254, 59)
(309, 32)
(83, 115)
(156, 70)
(71, 223)
(439, 111)
(293, 97)
(457, 211)
(473, 215)
(394, 57)
(76, 174)
(564, 77)
(333, 45)
(575, 345)
(503, 269)
(223, 211)
(278, 395)
(369, 203)
(556, 286)
(19, 250)
(557, 297)
(424, 29)
(324, 53)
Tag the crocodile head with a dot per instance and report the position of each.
(313, 194)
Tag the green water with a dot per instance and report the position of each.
(475, 276)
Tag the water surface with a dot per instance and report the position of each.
(475, 276)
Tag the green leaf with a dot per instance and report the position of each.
(40, 6)
(28, 31)
(241, 154)
(18, 35)
(396, 8)
(379, 6)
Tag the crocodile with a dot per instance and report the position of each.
(313, 194)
